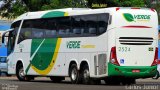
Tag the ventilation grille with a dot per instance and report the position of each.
(100, 64)
(136, 40)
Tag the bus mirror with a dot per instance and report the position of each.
(4, 35)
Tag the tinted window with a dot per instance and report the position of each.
(102, 23)
(26, 31)
(90, 25)
(12, 36)
(50, 28)
(63, 26)
(72, 26)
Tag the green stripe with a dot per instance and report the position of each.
(126, 71)
(44, 55)
(53, 14)
(37, 42)
(28, 68)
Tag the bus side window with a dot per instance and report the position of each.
(76, 26)
(89, 25)
(25, 32)
(62, 31)
(76, 30)
(12, 37)
(51, 33)
(101, 29)
(92, 30)
(38, 28)
(50, 28)
(102, 23)
(37, 33)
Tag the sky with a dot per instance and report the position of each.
(4, 25)
(1, 2)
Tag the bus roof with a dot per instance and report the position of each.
(70, 12)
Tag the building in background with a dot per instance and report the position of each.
(4, 25)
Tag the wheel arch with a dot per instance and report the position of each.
(83, 63)
(18, 62)
(72, 62)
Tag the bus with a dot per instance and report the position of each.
(117, 45)
(3, 64)
(3, 56)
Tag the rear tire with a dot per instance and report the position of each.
(86, 75)
(156, 76)
(74, 74)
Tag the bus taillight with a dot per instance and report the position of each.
(152, 10)
(113, 56)
(155, 57)
(117, 9)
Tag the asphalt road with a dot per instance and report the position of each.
(42, 83)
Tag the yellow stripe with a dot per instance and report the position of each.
(65, 14)
(48, 69)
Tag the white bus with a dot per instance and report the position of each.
(117, 45)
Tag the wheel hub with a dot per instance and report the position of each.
(21, 72)
(86, 74)
(74, 74)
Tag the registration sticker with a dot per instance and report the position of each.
(150, 49)
(122, 61)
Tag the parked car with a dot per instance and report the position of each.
(3, 65)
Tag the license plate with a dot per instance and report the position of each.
(135, 71)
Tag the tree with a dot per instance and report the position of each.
(155, 5)
(117, 3)
(35, 5)
(131, 3)
(12, 9)
(57, 4)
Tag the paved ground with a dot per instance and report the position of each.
(11, 83)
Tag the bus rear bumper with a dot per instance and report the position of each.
(127, 71)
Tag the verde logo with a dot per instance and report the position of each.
(73, 44)
(130, 17)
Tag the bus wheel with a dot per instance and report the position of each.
(85, 75)
(156, 76)
(20, 74)
(74, 74)
(56, 79)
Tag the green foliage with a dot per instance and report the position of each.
(118, 3)
(156, 6)
(18, 9)
(57, 4)
(12, 10)
(131, 3)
